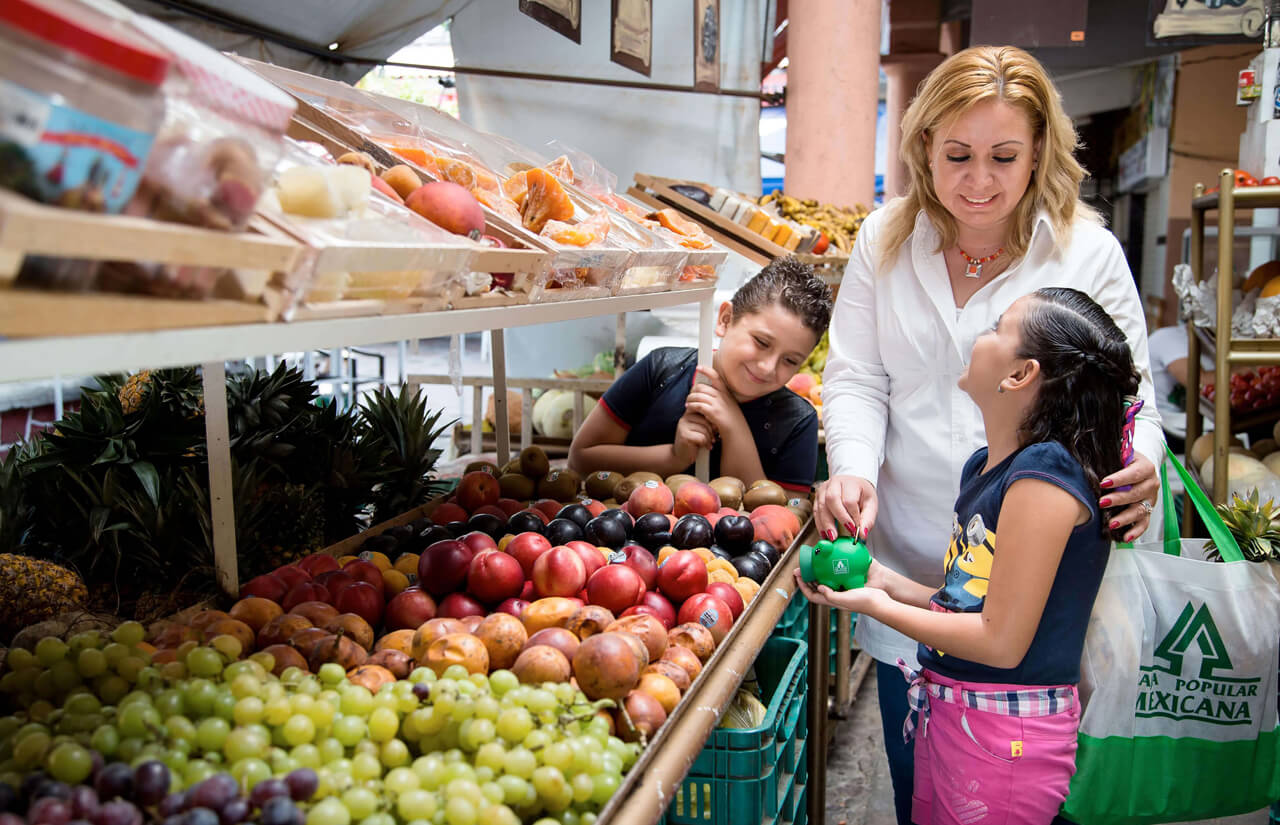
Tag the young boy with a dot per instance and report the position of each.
(659, 414)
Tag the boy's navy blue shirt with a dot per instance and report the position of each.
(648, 400)
(1054, 655)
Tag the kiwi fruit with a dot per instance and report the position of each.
(730, 491)
(677, 481)
(763, 482)
(517, 485)
(767, 493)
(802, 507)
(624, 489)
(534, 462)
(512, 466)
(602, 484)
(484, 467)
(559, 485)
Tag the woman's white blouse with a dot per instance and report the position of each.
(891, 410)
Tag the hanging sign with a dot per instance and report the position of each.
(632, 42)
(706, 45)
(565, 16)
(1230, 18)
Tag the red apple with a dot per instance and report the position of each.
(727, 594)
(592, 558)
(509, 507)
(477, 489)
(478, 541)
(304, 592)
(642, 561)
(364, 600)
(708, 611)
(266, 586)
(409, 610)
(549, 507)
(335, 580)
(442, 568)
(291, 574)
(662, 608)
(616, 587)
(364, 571)
(526, 547)
(682, 575)
(447, 512)
(318, 563)
(459, 606)
(559, 572)
(493, 577)
(513, 606)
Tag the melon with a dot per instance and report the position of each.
(1243, 471)
(1202, 448)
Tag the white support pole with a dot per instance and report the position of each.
(578, 413)
(501, 416)
(526, 418)
(221, 505)
(706, 326)
(477, 420)
(620, 345)
(57, 398)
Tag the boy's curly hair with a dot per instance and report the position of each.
(793, 286)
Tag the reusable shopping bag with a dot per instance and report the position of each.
(1178, 681)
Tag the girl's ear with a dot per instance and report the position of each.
(724, 319)
(1022, 377)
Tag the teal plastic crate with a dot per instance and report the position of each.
(776, 798)
(794, 624)
(782, 670)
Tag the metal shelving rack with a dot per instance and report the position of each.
(1229, 351)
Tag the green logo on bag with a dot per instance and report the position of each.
(1209, 696)
(1194, 626)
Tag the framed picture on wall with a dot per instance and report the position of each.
(706, 44)
(631, 44)
(565, 16)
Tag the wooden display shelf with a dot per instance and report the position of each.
(34, 313)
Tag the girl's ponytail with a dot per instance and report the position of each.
(1087, 373)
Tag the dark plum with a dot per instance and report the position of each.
(735, 533)
(767, 550)
(753, 566)
(692, 530)
(605, 532)
(576, 513)
(524, 522)
(457, 528)
(562, 531)
(652, 530)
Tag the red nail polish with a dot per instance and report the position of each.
(1115, 524)
(831, 535)
(1106, 484)
(853, 531)
(865, 531)
(1106, 502)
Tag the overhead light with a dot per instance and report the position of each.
(333, 47)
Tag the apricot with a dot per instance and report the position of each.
(285, 657)
(695, 637)
(398, 640)
(504, 637)
(371, 677)
(255, 611)
(662, 688)
(649, 629)
(353, 627)
(448, 206)
(457, 649)
(684, 658)
(398, 663)
(541, 663)
(665, 667)
(402, 179)
(359, 159)
(553, 611)
(386, 189)
(607, 665)
(545, 200)
(431, 630)
(470, 623)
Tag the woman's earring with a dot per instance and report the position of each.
(1000, 387)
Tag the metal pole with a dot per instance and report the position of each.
(221, 505)
(819, 641)
(844, 629)
(1222, 350)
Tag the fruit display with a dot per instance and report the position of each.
(807, 382)
(837, 225)
(1250, 391)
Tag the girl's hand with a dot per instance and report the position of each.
(1143, 480)
(845, 500)
(693, 433)
(859, 600)
(712, 400)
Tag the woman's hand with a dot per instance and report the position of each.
(1142, 478)
(845, 500)
(859, 600)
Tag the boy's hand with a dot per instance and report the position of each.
(712, 399)
(863, 600)
(693, 433)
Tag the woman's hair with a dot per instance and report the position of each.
(794, 287)
(1087, 373)
(961, 81)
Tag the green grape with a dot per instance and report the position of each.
(129, 633)
(610, 763)
(133, 719)
(588, 818)
(349, 729)
(197, 771)
(91, 662)
(328, 812)
(606, 784)
(321, 714)
(356, 700)
(491, 791)
(78, 704)
(170, 702)
(248, 710)
(583, 787)
(422, 674)
(331, 673)
(394, 753)
(244, 743)
(365, 766)
(65, 675)
(224, 705)
(199, 695)
(542, 701)
(487, 707)
(514, 789)
(456, 672)
(433, 720)
(360, 802)
(416, 804)
(179, 729)
(245, 685)
(383, 724)
(399, 780)
(386, 698)
(130, 748)
(173, 671)
(537, 739)
(69, 763)
(307, 756)
(520, 762)
(129, 667)
(298, 730)
(20, 658)
(150, 678)
(458, 811)
(429, 770)
(308, 685)
(211, 733)
(497, 815)
(50, 650)
(476, 732)
(598, 729)
(380, 818)
(278, 710)
(491, 755)
(367, 746)
(105, 740)
(330, 750)
(552, 788)
(116, 653)
(558, 755)
(249, 772)
(465, 789)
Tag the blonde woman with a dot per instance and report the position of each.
(992, 213)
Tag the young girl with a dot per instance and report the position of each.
(1000, 642)
(655, 417)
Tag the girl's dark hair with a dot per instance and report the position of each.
(1087, 371)
(793, 286)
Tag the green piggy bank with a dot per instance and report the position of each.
(841, 564)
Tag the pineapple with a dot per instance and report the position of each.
(1255, 525)
(32, 590)
(135, 391)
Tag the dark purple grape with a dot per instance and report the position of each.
(30, 783)
(200, 816)
(11, 819)
(118, 812)
(150, 782)
(235, 811)
(214, 792)
(279, 811)
(52, 788)
(114, 780)
(302, 783)
(174, 819)
(172, 804)
(268, 789)
(8, 797)
(84, 802)
(422, 691)
(49, 810)
(79, 822)
(96, 761)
